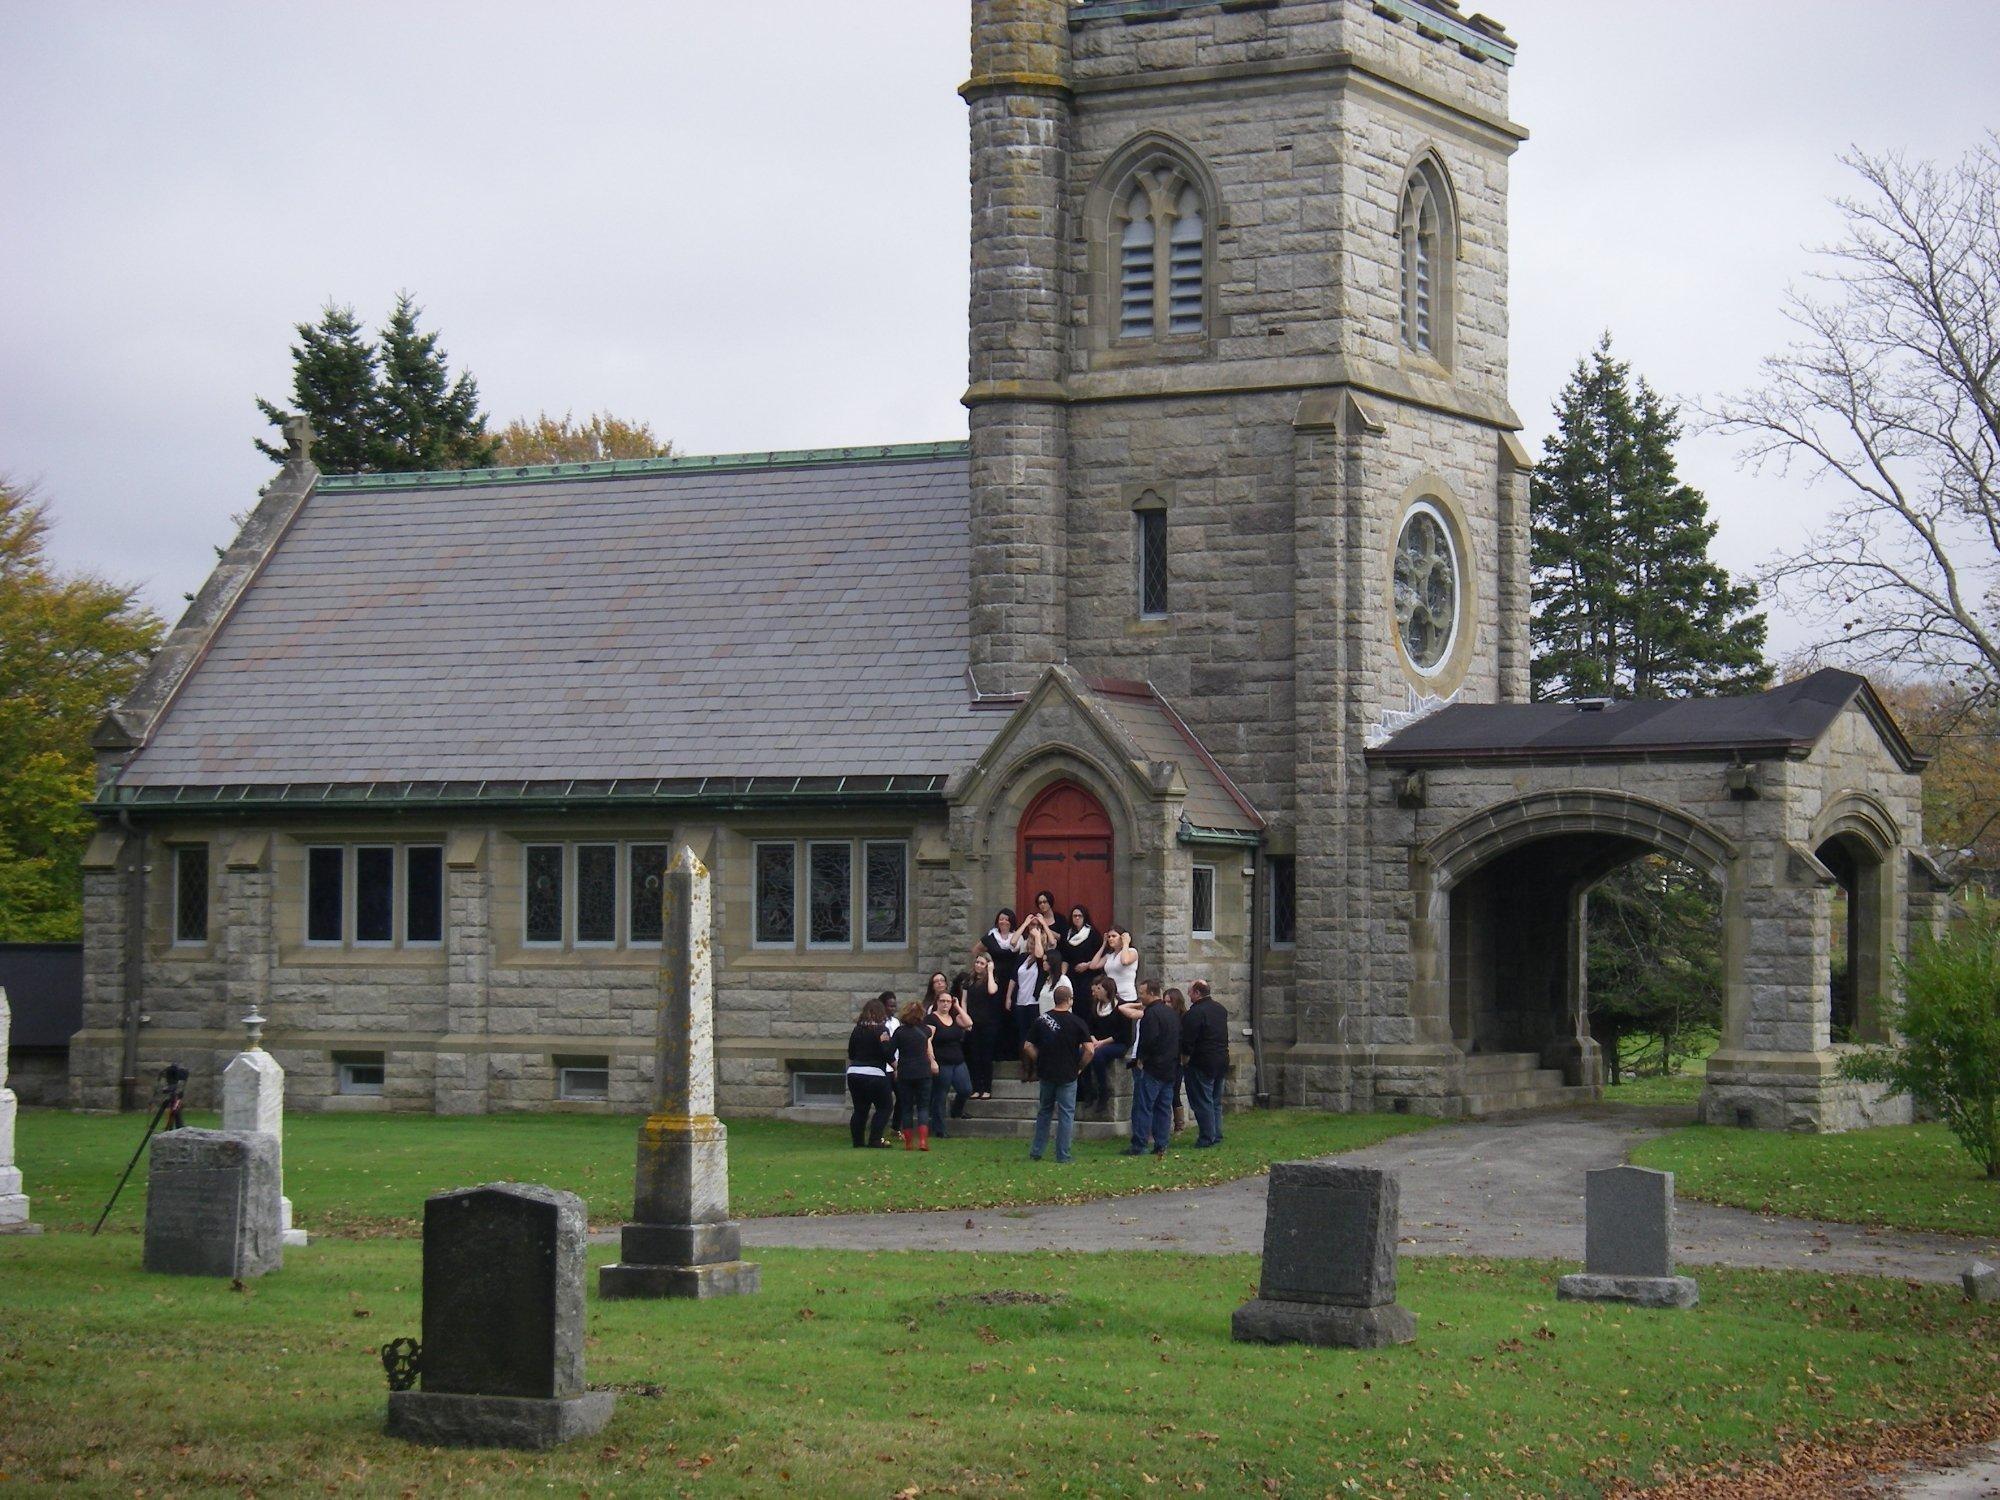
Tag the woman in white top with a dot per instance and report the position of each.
(1032, 979)
(1121, 964)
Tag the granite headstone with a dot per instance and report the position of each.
(1628, 1252)
(501, 1363)
(1981, 1282)
(13, 1202)
(212, 1204)
(682, 1242)
(1329, 1273)
(253, 1099)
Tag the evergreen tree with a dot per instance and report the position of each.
(386, 407)
(429, 420)
(1628, 603)
(333, 383)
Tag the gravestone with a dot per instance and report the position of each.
(253, 1099)
(1981, 1282)
(1329, 1273)
(1628, 1233)
(501, 1361)
(682, 1242)
(212, 1204)
(13, 1202)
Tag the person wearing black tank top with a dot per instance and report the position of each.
(950, 1025)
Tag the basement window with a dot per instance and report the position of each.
(583, 1079)
(819, 1090)
(358, 1073)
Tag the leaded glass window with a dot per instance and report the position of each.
(597, 893)
(1426, 588)
(887, 894)
(423, 894)
(374, 895)
(776, 895)
(648, 875)
(1284, 901)
(1151, 548)
(1201, 916)
(544, 894)
(191, 893)
(830, 895)
(325, 896)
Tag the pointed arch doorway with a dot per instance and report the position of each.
(1063, 844)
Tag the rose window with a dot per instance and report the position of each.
(1426, 588)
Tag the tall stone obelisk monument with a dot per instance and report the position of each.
(13, 1202)
(683, 1242)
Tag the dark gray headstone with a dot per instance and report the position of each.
(1628, 1222)
(212, 1204)
(1329, 1273)
(502, 1357)
(1330, 1235)
(503, 1291)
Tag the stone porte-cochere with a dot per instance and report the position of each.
(1492, 834)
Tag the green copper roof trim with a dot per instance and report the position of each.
(717, 792)
(794, 458)
(1239, 838)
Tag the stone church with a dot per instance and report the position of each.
(1218, 624)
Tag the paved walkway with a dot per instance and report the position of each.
(1499, 1187)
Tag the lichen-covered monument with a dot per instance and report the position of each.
(1218, 624)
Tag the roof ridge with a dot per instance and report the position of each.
(776, 458)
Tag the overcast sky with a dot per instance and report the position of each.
(745, 223)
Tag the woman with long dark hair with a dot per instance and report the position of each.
(1002, 946)
(1079, 948)
(868, 1061)
(984, 998)
(951, 1026)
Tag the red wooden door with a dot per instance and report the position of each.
(1065, 846)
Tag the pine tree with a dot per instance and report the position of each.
(1627, 601)
(385, 407)
(333, 383)
(429, 420)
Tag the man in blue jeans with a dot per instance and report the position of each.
(1059, 1046)
(1156, 1059)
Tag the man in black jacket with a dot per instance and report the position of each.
(1156, 1059)
(1205, 1045)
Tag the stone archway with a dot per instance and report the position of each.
(1507, 926)
(1855, 838)
(1063, 844)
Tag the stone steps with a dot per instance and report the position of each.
(1558, 1095)
(1503, 1082)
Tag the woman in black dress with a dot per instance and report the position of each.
(1002, 945)
(984, 997)
(868, 1062)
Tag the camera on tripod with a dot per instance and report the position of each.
(172, 1084)
(173, 1079)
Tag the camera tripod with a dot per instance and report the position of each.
(173, 1080)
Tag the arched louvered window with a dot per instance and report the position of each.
(1136, 280)
(1426, 251)
(1161, 232)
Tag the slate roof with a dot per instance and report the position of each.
(1149, 721)
(1784, 720)
(679, 618)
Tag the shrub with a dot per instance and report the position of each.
(1947, 1056)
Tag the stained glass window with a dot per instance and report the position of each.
(830, 895)
(423, 894)
(191, 894)
(597, 893)
(648, 888)
(325, 869)
(887, 913)
(544, 867)
(777, 893)
(1426, 588)
(374, 895)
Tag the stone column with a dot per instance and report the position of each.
(461, 1084)
(682, 1243)
(13, 1202)
(253, 1100)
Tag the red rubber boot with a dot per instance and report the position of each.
(923, 1138)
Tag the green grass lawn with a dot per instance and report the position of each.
(370, 1174)
(1906, 1176)
(864, 1374)
(1677, 1088)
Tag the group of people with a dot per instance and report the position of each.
(1069, 1002)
